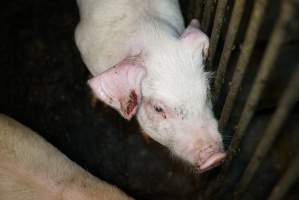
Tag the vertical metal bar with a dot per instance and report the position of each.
(243, 60)
(191, 9)
(230, 37)
(286, 181)
(285, 105)
(196, 9)
(266, 66)
(207, 15)
(217, 25)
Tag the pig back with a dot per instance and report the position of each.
(109, 31)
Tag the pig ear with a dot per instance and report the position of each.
(194, 37)
(120, 86)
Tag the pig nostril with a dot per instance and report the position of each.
(213, 161)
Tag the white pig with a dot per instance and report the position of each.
(145, 63)
(32, 169)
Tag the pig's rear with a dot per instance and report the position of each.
(32, 169)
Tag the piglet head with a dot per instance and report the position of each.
(176, 109)
(120, 86)
(168, 90)
(188, 130)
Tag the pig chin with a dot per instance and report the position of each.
(201, 154)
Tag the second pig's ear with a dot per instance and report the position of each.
(120, 86)
(194, 37)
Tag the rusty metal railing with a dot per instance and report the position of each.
(208, 11)
(216, 30)
(287, 101)
(242, 63)
(287, 180)
(267, 64)
(195, 9)
(233, 27)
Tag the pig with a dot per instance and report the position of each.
(32, 169)
(145, 63)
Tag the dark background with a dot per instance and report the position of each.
(43, 85)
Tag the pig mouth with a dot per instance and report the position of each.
(213, 161)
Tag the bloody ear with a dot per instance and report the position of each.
(120, 86)
(193, 37)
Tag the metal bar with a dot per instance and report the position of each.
(285, 105)
(243, 60)
(230, 37)
(287, 180)
(197, 8)
(217, 25)
(191, 9)
(266, 66)
(207, 15)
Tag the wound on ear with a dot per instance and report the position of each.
(132, 103)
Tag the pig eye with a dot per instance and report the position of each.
(158, 109)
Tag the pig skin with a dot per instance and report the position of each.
(32, 169)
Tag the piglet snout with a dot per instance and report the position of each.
(210, 160)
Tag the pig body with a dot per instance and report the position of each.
(145, 63)
(109, 31)
(32, 169)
